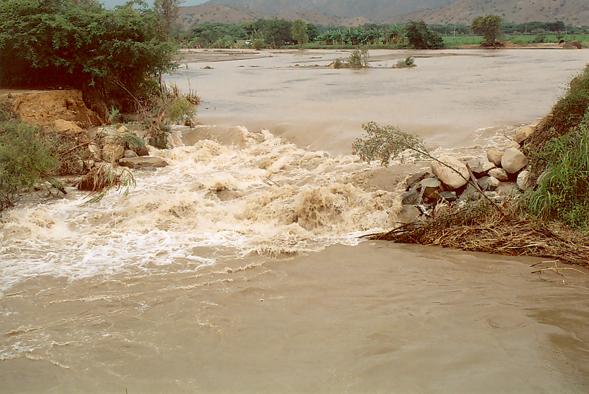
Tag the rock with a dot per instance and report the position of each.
(513, 161)
(449, 196)
(141, 151)
(95, 151)
(470, 194)
(112, 152)
(66, 127)
(480, 166)
(500, 174)
(523, 180)
(129, 154)
(488, 183)
(494, 155)
(143, 162)
(122, 129)
(430, 188)
(449, 177)
(415, 178)
(523, 133)
(408, 214)
(494, 196)
(507, 189)
(412, 197)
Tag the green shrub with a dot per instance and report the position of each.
(563, 190)
(49, 43)
(569, 110)
(421, 37)
(25, 158)
(358, 59)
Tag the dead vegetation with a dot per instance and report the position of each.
(479, 228)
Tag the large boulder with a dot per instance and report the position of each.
(112, 152)
(143, 162)
(513, 161)
(494, 155)
(523, 133)
(480, 166)
(452, 179)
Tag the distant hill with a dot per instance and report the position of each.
(356, 12)
(575, 12)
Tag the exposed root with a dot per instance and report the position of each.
(480, 229)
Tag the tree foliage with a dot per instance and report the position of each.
(50, 43)
(299, 32)
(489, 27)
(421, 37)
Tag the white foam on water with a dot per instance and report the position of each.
(260, 196)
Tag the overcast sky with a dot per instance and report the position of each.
(112, 3)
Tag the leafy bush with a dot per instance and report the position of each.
(358, 59)
(25, 158)
(385, 143)
(421, 37)
(48, 43)
(563, 190)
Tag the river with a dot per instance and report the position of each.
(238, 268)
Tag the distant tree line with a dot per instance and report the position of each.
(278, 33)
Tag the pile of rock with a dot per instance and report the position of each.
(497, 175)
(117, 146)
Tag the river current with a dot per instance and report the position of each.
(239, 267)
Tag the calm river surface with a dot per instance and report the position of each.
(237, 268)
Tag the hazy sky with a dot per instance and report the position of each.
(112, 3)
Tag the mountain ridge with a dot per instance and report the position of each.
(354, 12)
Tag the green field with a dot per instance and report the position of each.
(519, 39)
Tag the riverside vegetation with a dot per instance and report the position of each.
(531, 199)
(277, 33)
(108, 66)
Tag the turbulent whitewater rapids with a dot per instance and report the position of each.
(260, 196)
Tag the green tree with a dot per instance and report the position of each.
(421, 37)
(299, 32)
(63, 43)
(167, 11)
(489, 27)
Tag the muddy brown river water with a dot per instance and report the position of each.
(238, 268)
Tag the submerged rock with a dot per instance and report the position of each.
(513, 161)
(449, 177)
(143, 162)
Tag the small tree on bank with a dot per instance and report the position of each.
(489, 27)
(421, 37)
(299, 32)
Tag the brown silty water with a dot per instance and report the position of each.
(238, 268)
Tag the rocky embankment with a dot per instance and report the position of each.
(499, 175)
(85, 139)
